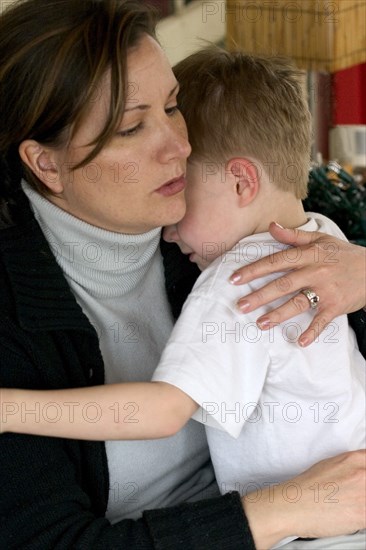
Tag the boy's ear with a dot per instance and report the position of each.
(246, 177)
(41, 160)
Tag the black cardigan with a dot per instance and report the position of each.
(54, 491)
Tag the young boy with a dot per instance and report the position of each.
(271, 408)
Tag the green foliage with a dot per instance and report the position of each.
(342, 200)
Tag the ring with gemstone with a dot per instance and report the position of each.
(312, 297)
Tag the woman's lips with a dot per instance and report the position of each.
(172, 187)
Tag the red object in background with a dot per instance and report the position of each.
(349, 95)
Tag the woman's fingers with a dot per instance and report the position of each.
(294, 237)
(334, 269)
(287, 284)
(317, 326)
(296, 305)
(312, 249)
(308, 252)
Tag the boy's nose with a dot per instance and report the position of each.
(170, 234)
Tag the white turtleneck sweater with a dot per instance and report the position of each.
(118, 281)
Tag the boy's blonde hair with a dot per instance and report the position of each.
(247, 106)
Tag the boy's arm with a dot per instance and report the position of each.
(143, 410)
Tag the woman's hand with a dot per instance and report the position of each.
(327, 500)
(334, 269)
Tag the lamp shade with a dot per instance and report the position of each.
(318, 35)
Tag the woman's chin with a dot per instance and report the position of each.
(176, 212)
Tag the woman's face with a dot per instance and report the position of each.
(137, 181)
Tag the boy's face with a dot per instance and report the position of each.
(205, 232)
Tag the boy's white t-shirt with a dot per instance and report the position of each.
(271, 408)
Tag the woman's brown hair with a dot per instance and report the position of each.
(53, 55)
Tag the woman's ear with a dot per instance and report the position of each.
(41, 161)
(246, 174)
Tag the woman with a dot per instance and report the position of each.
(89, 119)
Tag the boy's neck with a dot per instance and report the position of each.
(290, 213)
(275, 206)
(271, 204)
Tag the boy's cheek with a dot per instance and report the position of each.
(184, 248)
(201, 263)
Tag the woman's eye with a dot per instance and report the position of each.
(130, 131)
(172, 110)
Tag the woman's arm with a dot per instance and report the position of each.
(334, 269)
(143, 410)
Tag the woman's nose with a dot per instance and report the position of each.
(170, 234)
(176, 143)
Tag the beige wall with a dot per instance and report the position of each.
(199, 22)
(5, 3)
(182, 34)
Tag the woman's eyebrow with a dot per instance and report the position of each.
(143, 107)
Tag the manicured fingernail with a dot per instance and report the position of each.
(235, 278)
(243, 305)
(263, 323)
(303, 342)
(278, 225)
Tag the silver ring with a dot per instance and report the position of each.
(312, 297)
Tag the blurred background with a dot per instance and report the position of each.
(325, 38)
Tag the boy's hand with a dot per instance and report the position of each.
(334, 269)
